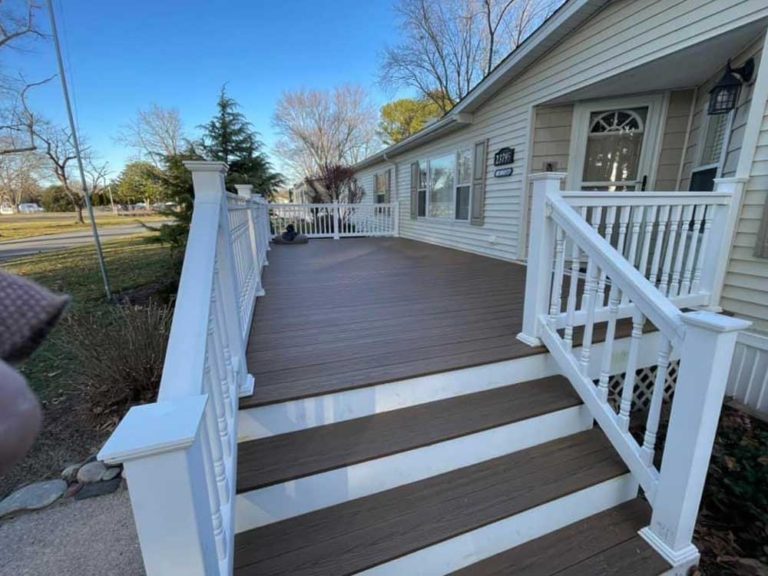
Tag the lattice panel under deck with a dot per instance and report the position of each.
(645, 377)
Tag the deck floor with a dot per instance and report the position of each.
(351, 313)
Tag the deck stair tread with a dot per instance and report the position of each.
(607, 543)
(267, 461)
(366, 532)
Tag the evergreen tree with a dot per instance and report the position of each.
(229, 137)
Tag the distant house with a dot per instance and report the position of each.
(473, 379)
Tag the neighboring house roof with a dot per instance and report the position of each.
(571, 15)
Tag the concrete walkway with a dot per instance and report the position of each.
(86, 537)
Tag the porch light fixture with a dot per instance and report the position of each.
(725, 95)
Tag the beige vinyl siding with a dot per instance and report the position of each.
(746, 283)
(623, 35)
(698, 126)
(675, 127)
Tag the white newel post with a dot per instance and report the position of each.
(160, 446)
(705, 360)
(336, 217)
(721, 235)
(540, 255)
(266, 226)
(396, 208)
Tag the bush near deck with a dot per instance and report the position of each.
(101, 357)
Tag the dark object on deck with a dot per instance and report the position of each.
(290, 237)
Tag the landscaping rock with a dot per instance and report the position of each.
(34, 496)
(69, 474)
(98, 489)
(73, 489)
(110, 473)
(91, 472)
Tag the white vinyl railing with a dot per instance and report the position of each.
(585, 279)
(180, 453)
(673, 238)
(335, 220)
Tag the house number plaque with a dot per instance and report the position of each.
(502, 172)
(504, 156)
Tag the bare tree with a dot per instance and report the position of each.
(59, 151)
(449, 46)
(319, 129)
(18, 25)
(19, 175)
(156, 133)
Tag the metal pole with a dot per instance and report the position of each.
(76, 143)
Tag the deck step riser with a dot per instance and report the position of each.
(469, 548)
(288, 499)
(294, 415)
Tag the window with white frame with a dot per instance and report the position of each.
(463, 183)
(714, 139)
(381, 187)
(445, 186)
(422, 188)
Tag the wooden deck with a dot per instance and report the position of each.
(345, 314)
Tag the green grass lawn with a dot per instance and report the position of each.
(132, 263)
(28, 225)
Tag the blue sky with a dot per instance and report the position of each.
(124, 55)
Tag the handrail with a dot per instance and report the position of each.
(337, 220)
(665, 315)
(180, 453)
(577, 278)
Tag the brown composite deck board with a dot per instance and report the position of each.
(606, 544)
(288, 456)
(365, 532)
(351, 313)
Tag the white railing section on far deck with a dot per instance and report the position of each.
(580, 286)
(180, 453)
(334, 220)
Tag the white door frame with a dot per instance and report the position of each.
(657, 107)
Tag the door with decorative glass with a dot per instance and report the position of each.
(613, 144)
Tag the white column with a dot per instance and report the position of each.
(160, 446)
(705, 359)
(540, 255)
(208, 179)
(721, 236)
(336, 216)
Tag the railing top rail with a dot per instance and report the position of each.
(655, 198)
(330, 205)
(653, 304)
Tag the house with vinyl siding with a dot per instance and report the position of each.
(655, 60)
(470, 375)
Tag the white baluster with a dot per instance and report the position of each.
(590, 300)
(674, 288)
(614, 297)
(557, 281)
(693, 254)
(628, 390)
(669, 250)
(659, 244)
(219, 534)
(572, 295)
(657, 399)
(647, 235)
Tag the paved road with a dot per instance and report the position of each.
(28, 246)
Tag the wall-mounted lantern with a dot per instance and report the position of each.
(725, 95)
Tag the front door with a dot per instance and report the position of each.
(613, 145)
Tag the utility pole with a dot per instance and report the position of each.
(76, 143)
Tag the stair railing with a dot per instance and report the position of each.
(180, 453)
(580, 288)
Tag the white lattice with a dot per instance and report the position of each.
(644, 379)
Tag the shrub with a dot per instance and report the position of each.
(119, 357)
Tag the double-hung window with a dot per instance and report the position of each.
(381, 181)
(445, 185)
